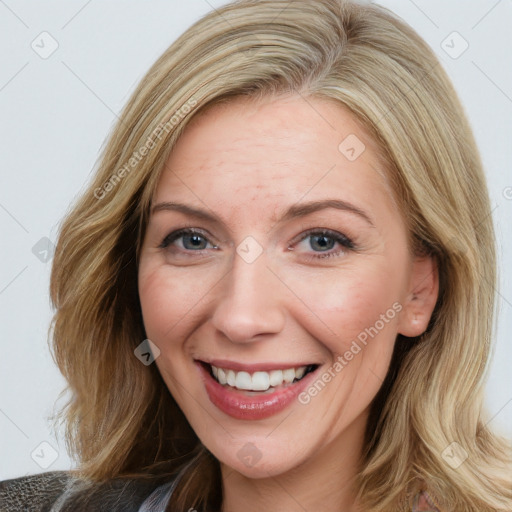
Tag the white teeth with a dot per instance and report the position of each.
(299, 372)
(221, 376)
(276, 377)
(258, 381)
(289, 375)
(243, 380)
(231, 378)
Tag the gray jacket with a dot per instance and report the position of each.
(58, 491)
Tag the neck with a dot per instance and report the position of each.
(325, 481)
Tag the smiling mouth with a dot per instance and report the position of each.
(258, 382)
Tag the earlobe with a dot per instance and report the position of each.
(422, 297)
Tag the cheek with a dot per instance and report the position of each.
(168, 297)
(354, 317)
(168, 300)
(351, 305)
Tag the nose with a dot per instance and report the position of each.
(251, 302)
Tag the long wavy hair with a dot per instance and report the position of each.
(120, 419)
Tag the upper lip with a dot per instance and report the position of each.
(253, 367)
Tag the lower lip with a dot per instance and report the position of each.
(244, 407)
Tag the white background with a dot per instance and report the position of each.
(56, 112)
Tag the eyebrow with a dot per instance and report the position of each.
(293, 212)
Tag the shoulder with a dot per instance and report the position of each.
(33, 492)
(60, 491)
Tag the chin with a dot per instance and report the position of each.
(274, 465)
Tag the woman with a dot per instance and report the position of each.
(278, 291)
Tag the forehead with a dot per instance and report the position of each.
(247, 151)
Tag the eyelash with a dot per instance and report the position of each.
(343, 240)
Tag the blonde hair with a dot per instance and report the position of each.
(122, 421)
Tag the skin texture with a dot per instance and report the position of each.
(246, 163)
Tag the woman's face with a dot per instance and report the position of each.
(275, 249)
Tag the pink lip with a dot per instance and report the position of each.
(244, 407)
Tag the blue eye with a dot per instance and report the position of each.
(323, 241)
(191, 240)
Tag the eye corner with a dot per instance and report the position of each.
(165, 242)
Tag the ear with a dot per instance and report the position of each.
(421, 297)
